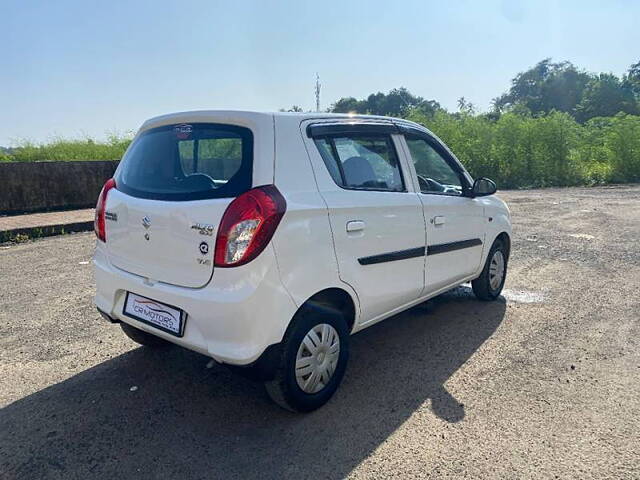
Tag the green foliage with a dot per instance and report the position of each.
(604, 96)
(68, 150)
(562, 87)
(519, 151)
(632, 79)
(621, 144)
(545, 87)
(21, 238)
(396, 103)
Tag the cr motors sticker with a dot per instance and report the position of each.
(154, 313)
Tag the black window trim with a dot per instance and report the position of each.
(359, 129)
(316, 130)
(455, 165)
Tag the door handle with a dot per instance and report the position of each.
(355, 226)
(438, 220)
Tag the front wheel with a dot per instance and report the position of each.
(490, 282)
(313, 360)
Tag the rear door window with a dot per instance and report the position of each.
(362, 161)
(188, 162)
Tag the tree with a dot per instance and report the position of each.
(348, 105)
(398, 102)
(632, 80)
(395, 103)
(465, 106)
(605, 96)
(545, 87)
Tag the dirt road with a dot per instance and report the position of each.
(544, 383)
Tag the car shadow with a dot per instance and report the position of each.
(187, 421)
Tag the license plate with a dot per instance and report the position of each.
(157, 314)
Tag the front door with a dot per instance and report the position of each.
(455, 223)
(377, 221)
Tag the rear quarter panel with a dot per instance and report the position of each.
(303, 241)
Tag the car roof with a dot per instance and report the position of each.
(256, 116)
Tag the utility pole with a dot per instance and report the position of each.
(317, 92)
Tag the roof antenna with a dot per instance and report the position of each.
(317, 92)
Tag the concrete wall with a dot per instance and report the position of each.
(43, 186)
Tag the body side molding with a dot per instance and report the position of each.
(419, 252)
(450, 247)
(392, 256)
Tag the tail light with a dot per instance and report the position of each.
(248, 225)
(98, 224)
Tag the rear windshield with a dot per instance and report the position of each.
(188, 162)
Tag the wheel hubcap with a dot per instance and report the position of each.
(496, 270)
(317, 358)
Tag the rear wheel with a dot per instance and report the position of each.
(313, 360)
(490, 282)
(142, 337)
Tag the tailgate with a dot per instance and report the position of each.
(171, 242)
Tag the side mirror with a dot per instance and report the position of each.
(483, 187)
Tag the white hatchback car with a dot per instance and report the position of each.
(263, 240)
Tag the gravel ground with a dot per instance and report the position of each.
(544, 383)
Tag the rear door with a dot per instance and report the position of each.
(376, 219)
(455, 223)
(172, 188)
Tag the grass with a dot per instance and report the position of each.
(60, 149)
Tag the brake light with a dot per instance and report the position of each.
(98, 224)
(247, 226)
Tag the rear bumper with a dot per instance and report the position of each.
(241, 312)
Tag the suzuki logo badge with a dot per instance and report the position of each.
(146, 222)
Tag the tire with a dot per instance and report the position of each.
(285, 389)
(143, 338)
(487, 287)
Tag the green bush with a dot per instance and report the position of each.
(622, 143)
(68, 150)
(521, 151)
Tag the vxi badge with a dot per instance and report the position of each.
(203, 228)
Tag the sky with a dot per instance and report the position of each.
(89, 68)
